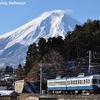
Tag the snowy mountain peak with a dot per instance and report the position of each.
(60, 12)
(14, 44)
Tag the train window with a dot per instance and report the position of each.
(81, 81)
(51, 83)
(74, 82)
(71, 82)
(87, 81)
(94, 81)
(63, 83)
(68, 82)
(84, 81)
(99, 80)
(78, 81)
(58, 82)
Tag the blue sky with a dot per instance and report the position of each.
(14, 16)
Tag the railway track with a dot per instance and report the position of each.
(68, 97)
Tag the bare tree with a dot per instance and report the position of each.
(52, 57)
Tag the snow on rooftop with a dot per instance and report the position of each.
(5, 92)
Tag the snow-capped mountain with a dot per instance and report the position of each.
(14, 44)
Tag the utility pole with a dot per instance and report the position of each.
(41, 78)
(14, 70)
(90, 57)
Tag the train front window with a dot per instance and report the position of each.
(94, 81)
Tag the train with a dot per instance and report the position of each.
(75, 85)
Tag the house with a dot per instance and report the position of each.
(22, 86)
(8, 95)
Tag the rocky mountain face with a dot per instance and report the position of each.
(14, 44)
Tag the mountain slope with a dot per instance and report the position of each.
(14, 45)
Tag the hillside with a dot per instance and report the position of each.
(14, 44)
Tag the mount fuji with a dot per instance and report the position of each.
(14, 44)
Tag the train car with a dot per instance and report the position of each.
(84, 83)
(55, 85)
(90, 83)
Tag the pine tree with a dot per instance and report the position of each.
(10, 70)
(41, 48)
(31, 58)
(7, 70)
(19, 72)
